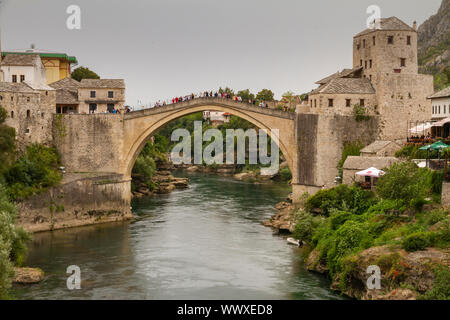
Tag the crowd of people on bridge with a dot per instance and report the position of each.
(209, 94)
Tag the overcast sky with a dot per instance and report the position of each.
(164, 48)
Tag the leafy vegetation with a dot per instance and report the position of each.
(352, 148)
(81, 73)
(360, 113)
(33, 172)
(13, 240)
(341, 222)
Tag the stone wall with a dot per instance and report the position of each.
(403, 98)
(321, 140)
(89, 143)
(82, 201)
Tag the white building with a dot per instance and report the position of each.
(217, 117)
(440, 104)
(27, 68)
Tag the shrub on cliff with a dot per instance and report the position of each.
(34, 171)
(12, 243)
(441, 287)
(405, 181)
(341, 197)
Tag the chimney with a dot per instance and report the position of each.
(415, 25)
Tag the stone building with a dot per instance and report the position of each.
(440, 104)
(101, 95)
(66, 95)
(380, 148)
(57, 65)
(384, 80)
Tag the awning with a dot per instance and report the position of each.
(421, 128)
(441, 123)
(371, 172)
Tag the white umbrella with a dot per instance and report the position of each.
(371, 172)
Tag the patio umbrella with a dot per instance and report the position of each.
(428, 147)
(439, 145)
(371, 172)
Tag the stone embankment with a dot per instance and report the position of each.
(284, 220)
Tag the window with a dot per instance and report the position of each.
(27, 130)
(92, 94)
(42, 115)
(364, 43)
(373, 40)
(12, 98)
(28, 113)
(14, 78)
(402, 62)
(370, 64)
(46, 93)
(58, 109)
(347, 103)
(370, 77)
(12, 114)
(358, 46)
(439, 110)
(408, 40)
(330, 102)
(110, 94)
(362, 102)
(110, 107)
(445, 109)
(1, 98)
(365, 64)
(28, 99)
(390, 39)
(360, 63)
(22, 78)
(315, 103)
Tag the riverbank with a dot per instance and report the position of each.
(343, 238)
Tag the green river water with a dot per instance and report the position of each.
(205, 242)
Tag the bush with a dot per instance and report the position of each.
(3, 115)
(12, 243)
(33, 172)
(341, 197)
(441, 288)
(405, 181)
(360, 113)
(306, 226)
(415, 242)
(285, 174)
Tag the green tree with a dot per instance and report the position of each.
(246, 95)
(265, 95)
(84, 73)
(7, 143)
(3, 115)
(227, 91)
(405, 181)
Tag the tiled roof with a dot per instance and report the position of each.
(342, 74)
(441, 94)
(66, 83)
(376, 146)
(389, 24)
(103, 83)
(21, 60)
(362, 163)
(346, 85)
(66, 97)
(15, 87)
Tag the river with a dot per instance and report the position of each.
(204, 242)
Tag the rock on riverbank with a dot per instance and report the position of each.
(284, 220)
(28, 275)
(404, 275)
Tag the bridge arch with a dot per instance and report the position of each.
(139, 126)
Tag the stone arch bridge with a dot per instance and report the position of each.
(108, 144)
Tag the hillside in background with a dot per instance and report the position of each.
(434, 46)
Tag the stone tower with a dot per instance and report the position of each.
(388, 57)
